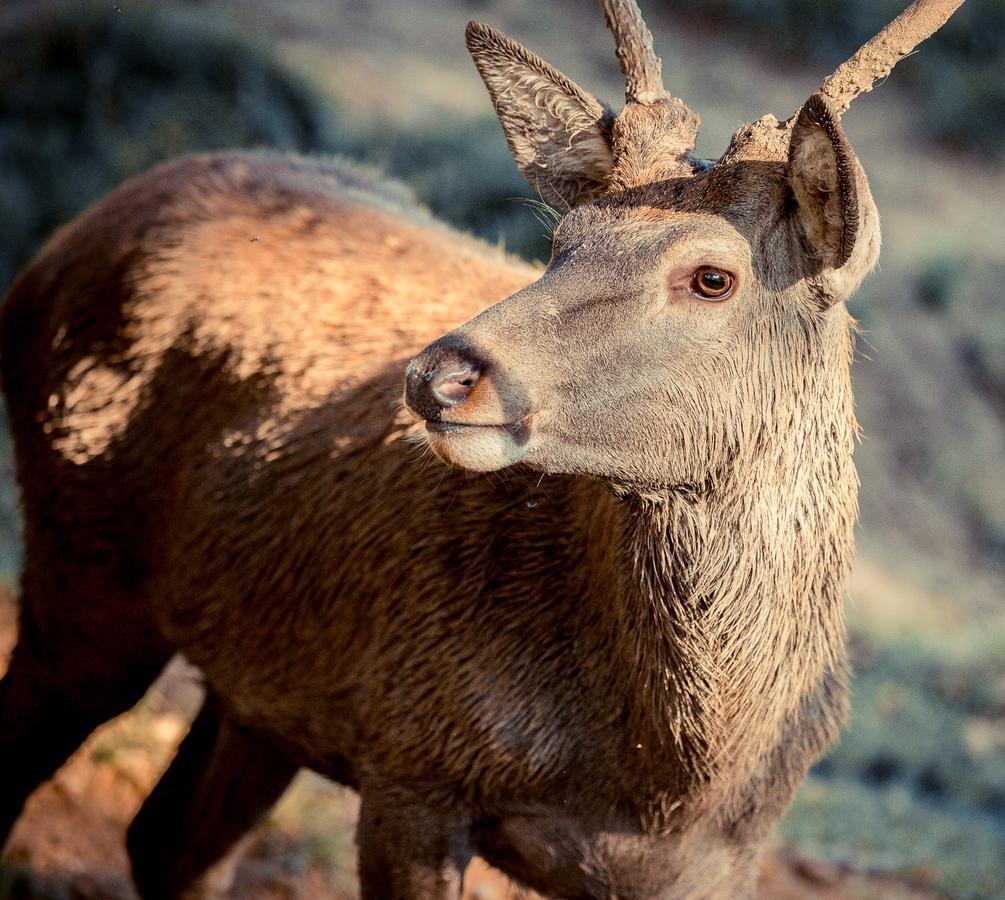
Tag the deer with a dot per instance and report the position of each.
(605, 669)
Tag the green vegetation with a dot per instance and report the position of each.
(917, 785)
(93, 97)
(964, 294)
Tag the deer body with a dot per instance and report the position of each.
(605, 672)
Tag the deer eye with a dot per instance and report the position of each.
(711, 283)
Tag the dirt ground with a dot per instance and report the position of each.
(69, 844)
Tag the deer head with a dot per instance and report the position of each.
(687, 305)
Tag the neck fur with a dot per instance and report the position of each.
(731, 608)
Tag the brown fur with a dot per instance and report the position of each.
(606, 669)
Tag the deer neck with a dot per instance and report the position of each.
(730, 619)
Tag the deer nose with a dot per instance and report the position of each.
(439, 378)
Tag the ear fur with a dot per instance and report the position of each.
(558, 134)
(824, 177)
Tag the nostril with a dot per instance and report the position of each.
(450, 384)
(440, 378)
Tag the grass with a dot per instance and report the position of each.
(916, 787)
(889, 831)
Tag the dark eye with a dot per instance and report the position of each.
(711, 283)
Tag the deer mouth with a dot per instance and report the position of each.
(519, 430)
(480, 447)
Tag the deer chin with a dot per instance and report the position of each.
(478, 448)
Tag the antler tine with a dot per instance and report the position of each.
(876, 58)
(633, 41)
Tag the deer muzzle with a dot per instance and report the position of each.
(474, 418)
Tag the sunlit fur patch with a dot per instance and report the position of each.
(92, 409)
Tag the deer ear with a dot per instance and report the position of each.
(824, 178)
(558, 134)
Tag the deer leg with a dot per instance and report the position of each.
(407, 850)
(77, 663)
(223, 779)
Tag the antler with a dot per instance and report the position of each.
(876, 58)
(634, 45)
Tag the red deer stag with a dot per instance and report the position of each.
(606, 683)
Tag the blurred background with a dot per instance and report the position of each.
(912, 802)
